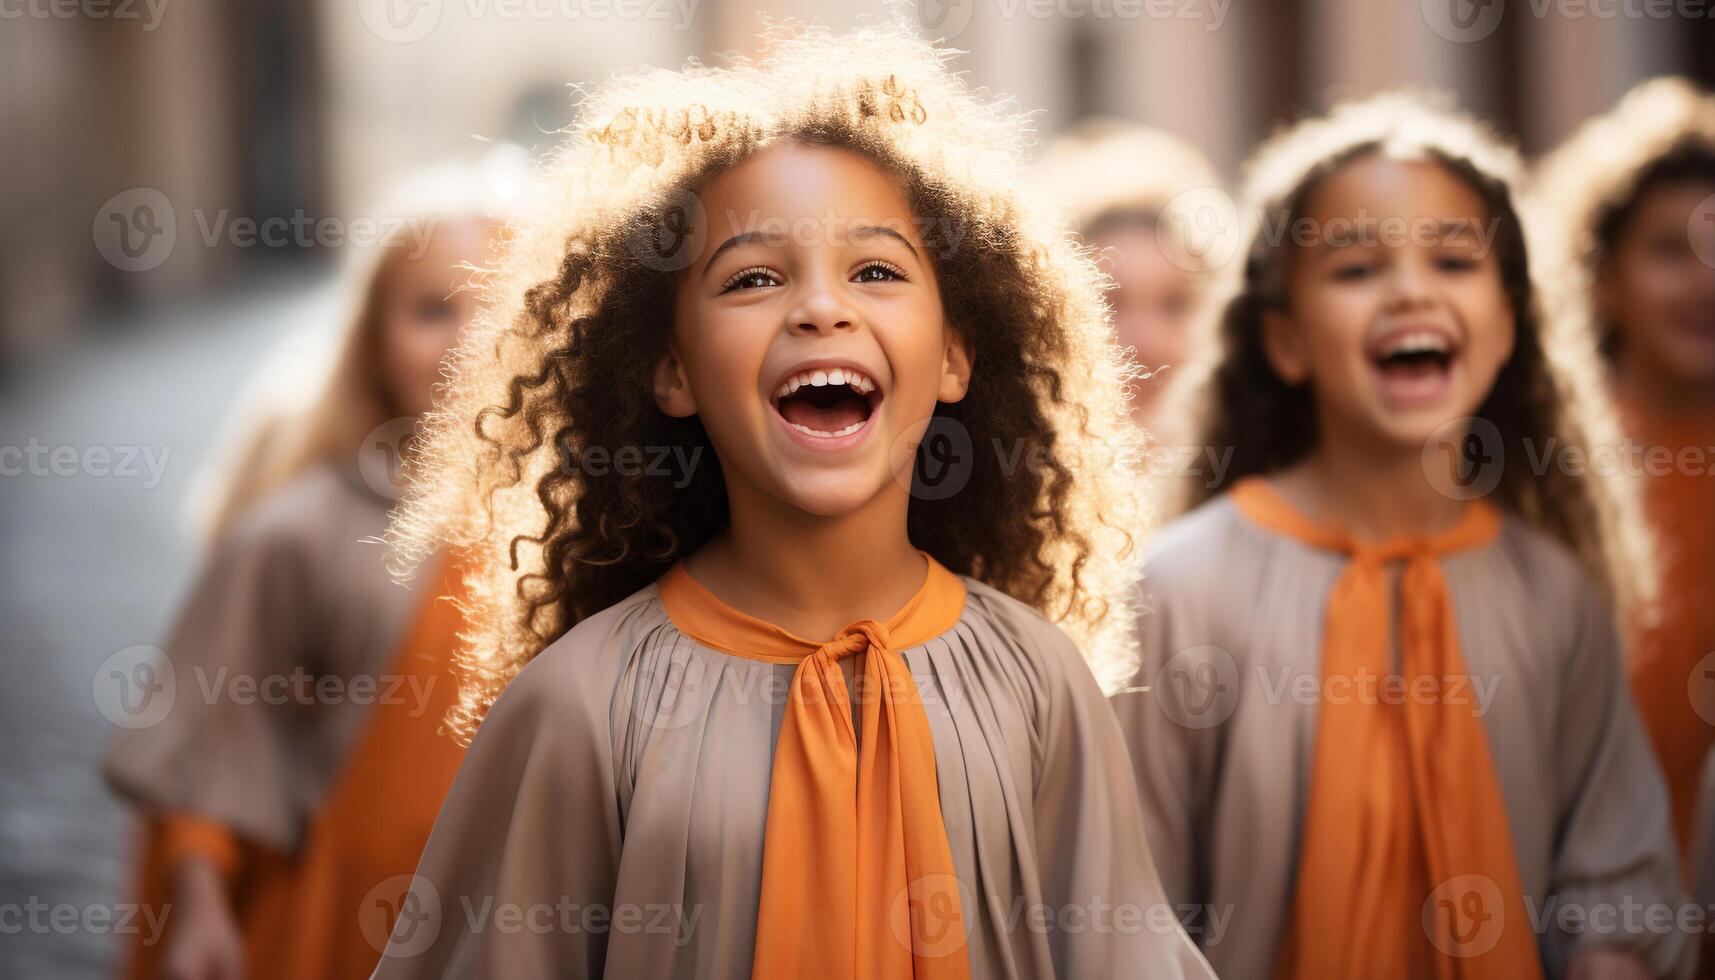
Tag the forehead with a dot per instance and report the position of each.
(1380, 186)
(794, 180)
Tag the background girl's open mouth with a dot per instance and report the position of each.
(1416, 367)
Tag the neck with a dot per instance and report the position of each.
(1374, 495)
(1661, 394)
(812, 575)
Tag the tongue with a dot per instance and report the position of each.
(824, 414)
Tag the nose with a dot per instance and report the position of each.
(1410, 285)
(821, 307)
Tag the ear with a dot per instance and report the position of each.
(1284, 345)
(955, 369)
(673, 386)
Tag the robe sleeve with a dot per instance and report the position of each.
(1614, 861)
(1098, 877)
(1172, 733)
(221, 752)
(519, 874)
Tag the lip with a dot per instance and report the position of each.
(828, 444)
(1381, 340)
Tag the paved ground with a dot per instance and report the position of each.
(90, 565)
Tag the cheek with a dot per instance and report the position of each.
(914, 342)
(723, 355)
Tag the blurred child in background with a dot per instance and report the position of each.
(1633, 196)
(1127, 191)
(299, 767)
(1382, 716)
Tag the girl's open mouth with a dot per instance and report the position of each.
(1414, 365)
(826, 403)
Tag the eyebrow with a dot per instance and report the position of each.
(880, 229)
(742, 238)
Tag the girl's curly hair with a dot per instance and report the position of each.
(1547, 399)
(563, 487)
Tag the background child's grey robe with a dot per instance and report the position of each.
(1222, 740)
(300, 585)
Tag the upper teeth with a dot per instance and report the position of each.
(1417, 341)
(819, 377)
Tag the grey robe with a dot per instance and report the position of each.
(609, 818)
(298, 589)
(1222, 737)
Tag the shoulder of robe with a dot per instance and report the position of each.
(574, 676)
(1541, 557)
(316, 507)
(1199, 553)
(1556, 583)
(1039, 641)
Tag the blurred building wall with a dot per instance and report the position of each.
(265, 108)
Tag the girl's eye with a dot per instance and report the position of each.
(1353, 271)
(755, 277)
(1455, 263)
(879, 271)
(1668, 247)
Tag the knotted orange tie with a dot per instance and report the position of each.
(1406, 867)
(857, 875)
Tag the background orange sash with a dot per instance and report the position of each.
(1406, 867)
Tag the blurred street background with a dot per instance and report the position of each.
(177, 178)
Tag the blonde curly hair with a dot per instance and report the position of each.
(1550, 391)
(580, 309)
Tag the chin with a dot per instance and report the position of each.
(831, 493)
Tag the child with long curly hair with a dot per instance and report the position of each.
(1634, 194)
(1385, 720)
(767, 462)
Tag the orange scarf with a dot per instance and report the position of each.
(1406, 867)
(857, 875)
(1673, 696)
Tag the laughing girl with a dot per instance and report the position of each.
(766, 459)
(1384, 716)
